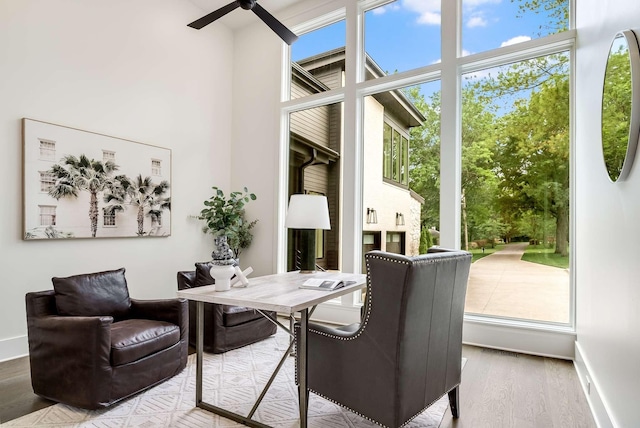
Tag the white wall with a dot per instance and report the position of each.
(607, 230)
(130, 69)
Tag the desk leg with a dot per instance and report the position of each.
(303, 393)
(199, 347)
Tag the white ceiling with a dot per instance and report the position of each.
(241, 17)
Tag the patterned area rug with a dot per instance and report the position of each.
(232, 380)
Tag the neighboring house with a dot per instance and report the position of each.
(391, 215)
(47, 217)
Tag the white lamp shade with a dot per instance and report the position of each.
(308, 212)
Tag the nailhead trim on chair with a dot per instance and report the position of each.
(373, 420)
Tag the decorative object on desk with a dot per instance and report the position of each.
(621, 105)
(227, 217)
(70, 172)
(307, 213)
(222, 263)
(222, 276)
(240, 278)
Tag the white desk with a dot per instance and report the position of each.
(280, 293)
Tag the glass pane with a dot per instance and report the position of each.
(395, 147)
(322, 53)
(386, 159)
(315, 142)
(411, 28)
(410, 117)
(404, 161)
(490, 24)
(515, 189)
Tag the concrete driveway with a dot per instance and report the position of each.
(503, 285)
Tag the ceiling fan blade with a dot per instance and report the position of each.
(282, 31)
(208, 19)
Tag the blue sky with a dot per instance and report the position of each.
(406, 33)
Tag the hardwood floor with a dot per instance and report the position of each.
(499, 389)
(16, 396)
(507, 389)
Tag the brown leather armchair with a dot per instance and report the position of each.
(225, 327)
(407, 351)
(91, 345)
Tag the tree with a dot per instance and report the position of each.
(148, 198)
(424, 156)
(82, 174)
(479, 180)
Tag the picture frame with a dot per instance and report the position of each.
(82, 184)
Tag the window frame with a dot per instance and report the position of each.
(448, 71)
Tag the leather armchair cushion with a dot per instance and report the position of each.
(203, 277)
(134, 339)
(93, 294)
(236, 315)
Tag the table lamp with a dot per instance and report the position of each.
(308, 213)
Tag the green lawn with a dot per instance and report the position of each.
(545, 256)
(478, 254)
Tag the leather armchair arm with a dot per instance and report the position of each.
(175, 311)
(55, 345)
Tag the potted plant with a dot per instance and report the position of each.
(225, 220)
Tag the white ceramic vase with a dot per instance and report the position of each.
(222, 275)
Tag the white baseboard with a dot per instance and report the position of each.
(14, 347)
(545, 342)
(597, 404)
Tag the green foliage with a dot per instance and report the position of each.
(545, 256)
(426, 240)
(424, 156)
(616, 111)
(226, 216)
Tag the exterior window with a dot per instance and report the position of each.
(156, 167)
(47, 150)
(109, 220)
(108, 155)
(395, 242)
(395, 155)
(404, 161)
(47, 181)
(386, 147)
(47, 215)
(319, 244)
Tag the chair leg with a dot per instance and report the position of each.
(454, 400)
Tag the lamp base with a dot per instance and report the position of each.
(307, 250)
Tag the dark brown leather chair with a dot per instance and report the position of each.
(91, 345)
(407, 351)
(225, 327)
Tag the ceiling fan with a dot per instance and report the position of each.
(282, 31)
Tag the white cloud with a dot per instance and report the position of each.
(515, 40)
(476, 21)
(428, 10)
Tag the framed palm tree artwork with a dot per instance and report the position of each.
(81, 184)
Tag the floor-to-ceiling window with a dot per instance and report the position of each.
(454, 130)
